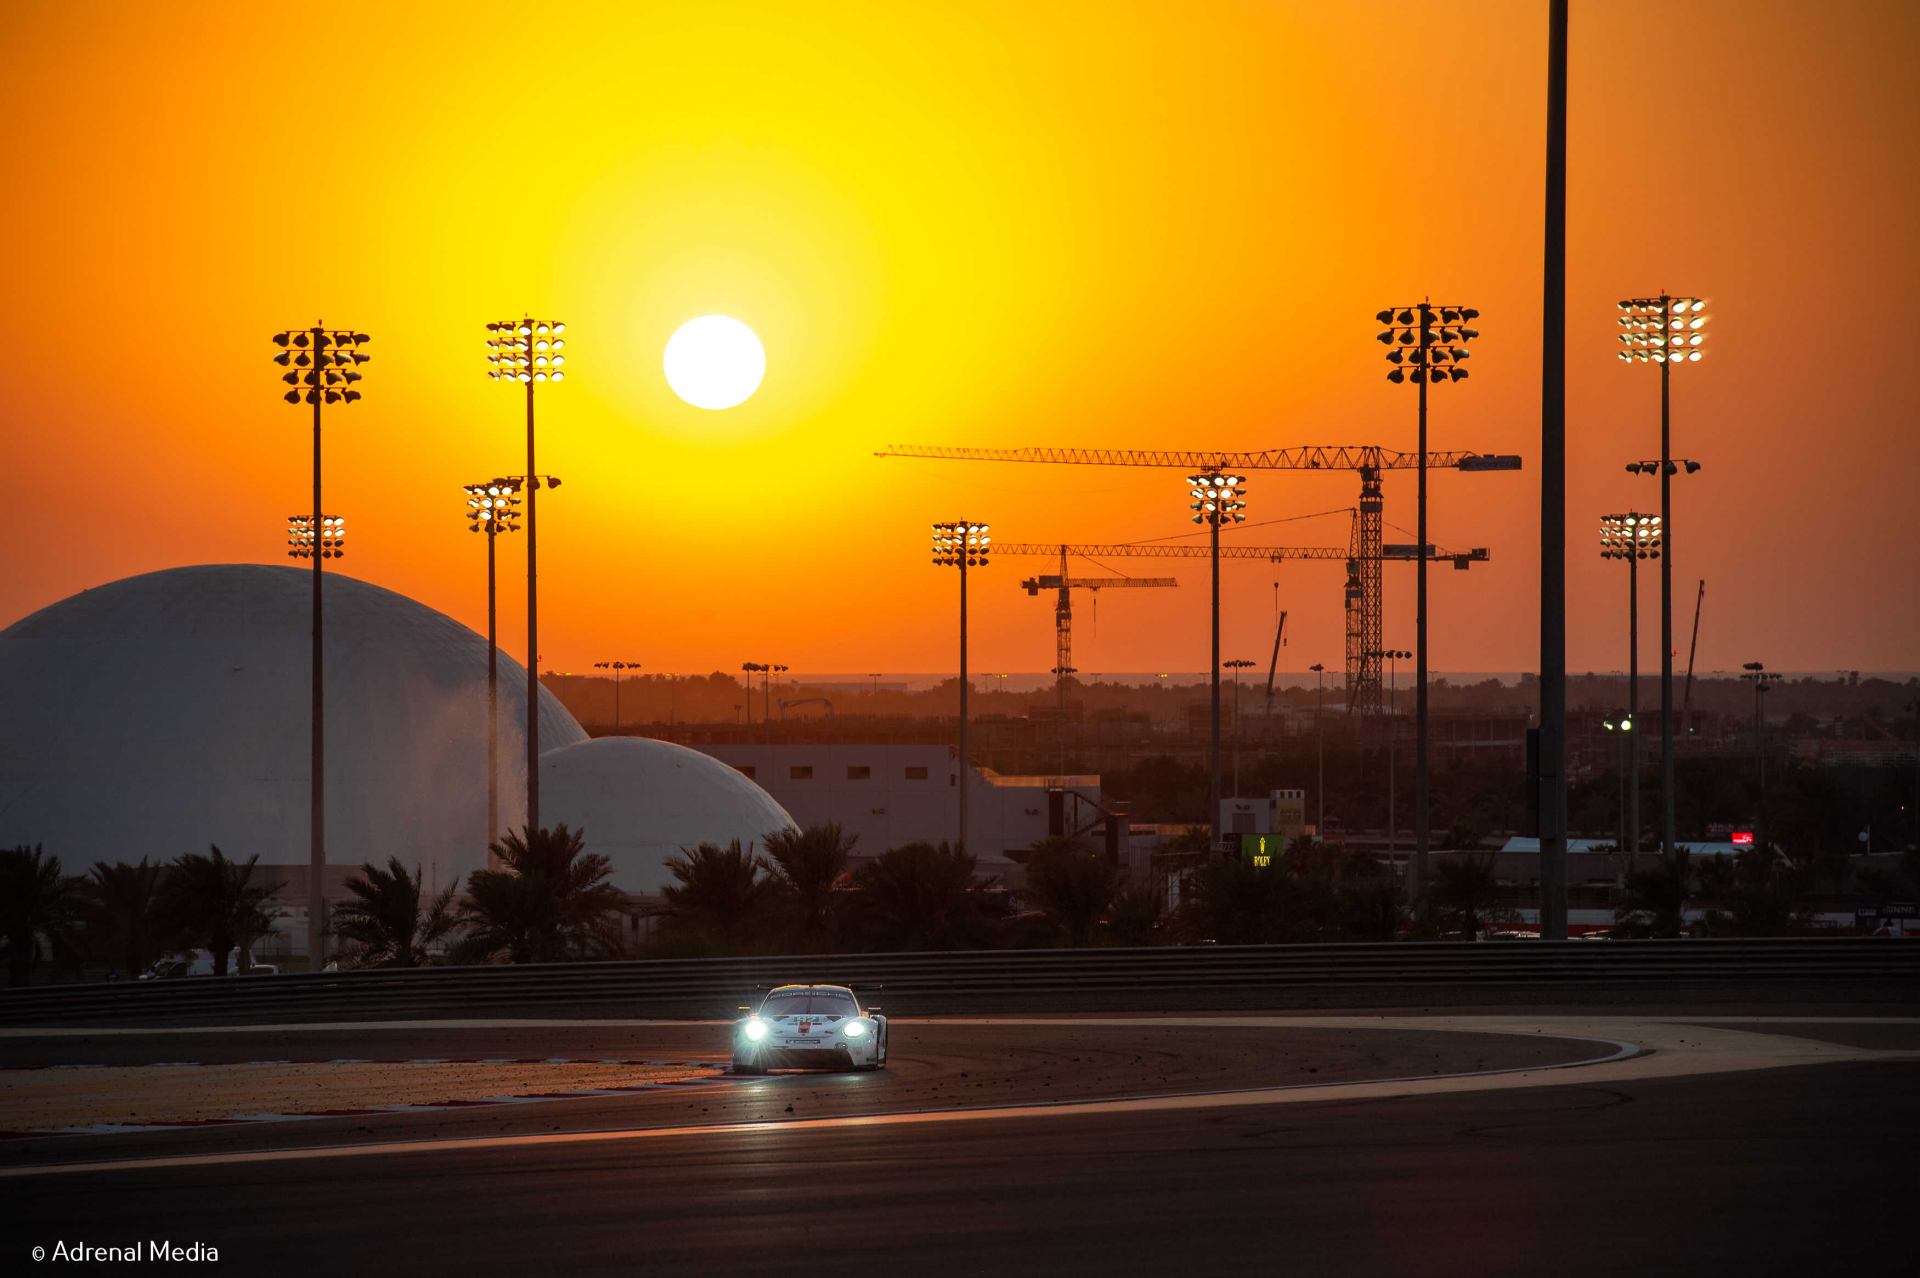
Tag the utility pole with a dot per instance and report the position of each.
(1553, 497)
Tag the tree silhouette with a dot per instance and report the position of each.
(1071, 887)
(1464, 888)
(37, 902)
(121, 913)
(551, 903)
(722, 901)
(214, 902)
(925, 896)
(805, 864)
(383, 923)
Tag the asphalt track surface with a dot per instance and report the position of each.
(1696, 1144)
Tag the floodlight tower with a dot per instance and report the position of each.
(1433, 341)
(1762, 680)
(528, 351)
(322, 364)
(1664, 330)
(1216, 501)
(616, 667)
(1236, 666)
(493, 507)
(1393, 657)
(962, 544)
(1631, 537)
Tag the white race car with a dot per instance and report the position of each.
(809, 1027)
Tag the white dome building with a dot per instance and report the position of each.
(640, 801)
(161, 713)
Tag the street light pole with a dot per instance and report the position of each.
(1392, 657)
(1632, 537)
(1236, 666)
(528, 351)
(962, 544)
(1762, 681)
(1551, 795)
(1436, 356)
(1319, 732)
(616, 667)
(1666, 331)
(1216, 501)
(322, 367)
(492, 508)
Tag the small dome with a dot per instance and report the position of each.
(640, 801)
(157, 714)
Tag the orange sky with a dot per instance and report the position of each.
(992, 224)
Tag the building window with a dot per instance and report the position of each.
(746, 770)
(799, 773)
(916, 774)
(859, 774)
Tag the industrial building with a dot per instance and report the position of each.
(889, 795)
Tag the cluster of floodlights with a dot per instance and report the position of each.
(332, 542)
(493, 507)
(1216, 499)
(1653, 467)
(1438, 336)
(526, 350)
(1630, 536)
(323, 362)
(960, 544)
(1665, 330)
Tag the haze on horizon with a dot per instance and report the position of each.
(995, 226)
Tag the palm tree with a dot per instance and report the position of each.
(1070, 886)
(383, 925)
(120, 904)
(1465, 887)
(551, 903)
(1657, 896)
(36, 901)
(214, 901)
(1232, 901)
(723, 900)
(1134, 914)
(806, 864)
(925, 896)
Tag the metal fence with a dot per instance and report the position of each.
(1160, 979)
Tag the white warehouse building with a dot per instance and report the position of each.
(892, 795)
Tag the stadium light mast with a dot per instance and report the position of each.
(493, 508)
(1631, 537)
(1664, 330)
(528, 351)
(962, 544)
(1216, 501)
(1431, 343)
(617, 667)
(323, 365)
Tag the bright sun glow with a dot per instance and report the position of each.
(714, 362)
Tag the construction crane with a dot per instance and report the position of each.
(1063, 613)
(1364, 607)
(1359, 622)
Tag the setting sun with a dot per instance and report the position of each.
(714, 362)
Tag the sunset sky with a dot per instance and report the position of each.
(1090, 225)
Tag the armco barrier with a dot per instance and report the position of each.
(1166, 979)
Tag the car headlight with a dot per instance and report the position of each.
(855, 1029)
(756, 1030)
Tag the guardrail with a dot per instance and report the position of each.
(1165, 979)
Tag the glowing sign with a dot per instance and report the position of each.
(1743, 838)
(1261, 849)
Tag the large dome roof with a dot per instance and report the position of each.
(640, 801)
(158, 714)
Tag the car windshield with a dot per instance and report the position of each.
(810, 1002)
